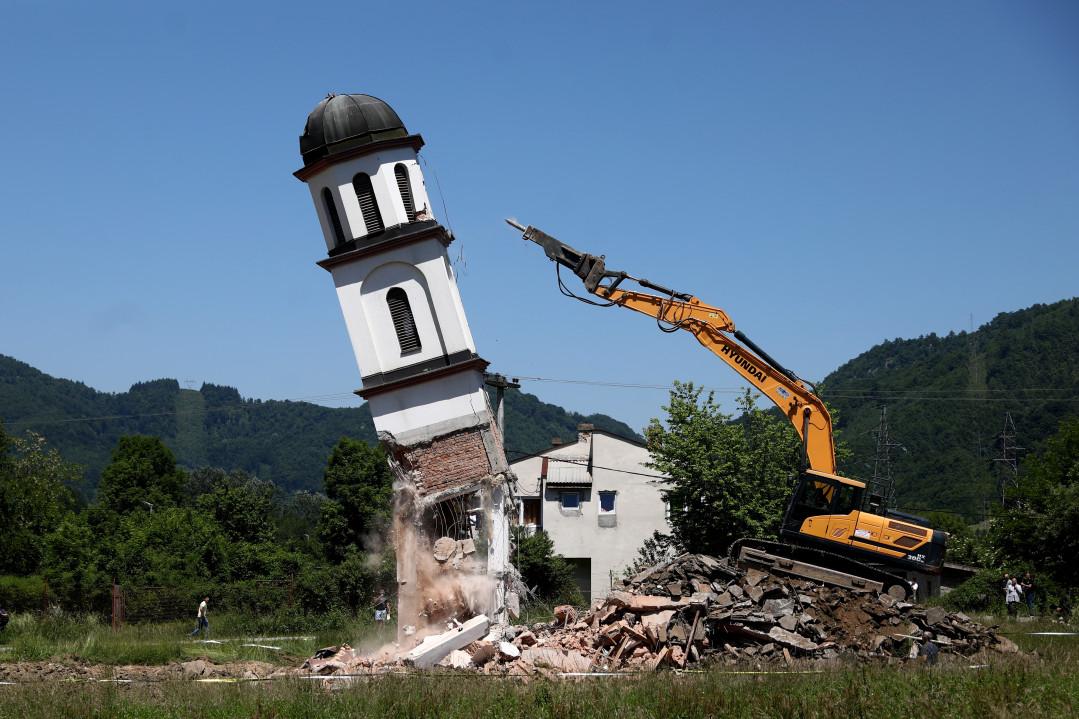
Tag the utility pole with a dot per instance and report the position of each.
(1008, 459)
(501, 384)
(883, 483)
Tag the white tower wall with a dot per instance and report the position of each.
(380, 167)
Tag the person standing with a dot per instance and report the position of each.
(1028, 592)
(202, 623)
(1011, 597)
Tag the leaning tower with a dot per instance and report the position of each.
(420, 371)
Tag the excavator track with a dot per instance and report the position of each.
(816, 565)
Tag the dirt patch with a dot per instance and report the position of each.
(201, 668)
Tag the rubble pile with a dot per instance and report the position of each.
(696, 609)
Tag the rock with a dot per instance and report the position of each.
(754, 577)
(444, 548)
(565, 614)
(935, 615)
(651, 603)
(788, 622)
(791, 639)
(570, 661)
(779, 607)
(525, 639)
(1005, 645)
(508, 651)
(194, 669)
(459, 659)
(618, 598)
(483, 652)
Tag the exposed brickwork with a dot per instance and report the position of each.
(453, 460)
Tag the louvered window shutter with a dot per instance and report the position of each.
(331, 210)
(365, 195)
(404, 324)
(401, 173)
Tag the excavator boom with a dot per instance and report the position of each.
(715, 330)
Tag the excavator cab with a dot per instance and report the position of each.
(818, 497)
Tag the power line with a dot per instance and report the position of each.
(853, 393)
(584, 463)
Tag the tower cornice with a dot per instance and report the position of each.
(389, 239)
(342, 155)
(430, 370)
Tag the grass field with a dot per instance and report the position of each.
(1043, 686)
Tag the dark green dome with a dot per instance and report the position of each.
(345, 122)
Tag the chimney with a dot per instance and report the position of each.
(556, 441)
(584, 432)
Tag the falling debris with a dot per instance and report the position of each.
(696, 609)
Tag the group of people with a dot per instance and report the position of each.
(1017, 590)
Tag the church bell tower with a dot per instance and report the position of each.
(419, 368)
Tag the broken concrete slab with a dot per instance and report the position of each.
(791, 639)
(436, 647)
(569, 661)
(654, 603)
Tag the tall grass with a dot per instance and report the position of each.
(1009, 688)
(61, 636)
(1045, 685)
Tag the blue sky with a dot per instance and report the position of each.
(833, 174)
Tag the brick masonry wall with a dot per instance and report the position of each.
(454, 460)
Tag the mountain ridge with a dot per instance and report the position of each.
(285, 441)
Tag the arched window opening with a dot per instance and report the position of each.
(365, 195)
(331, 210)
(404, 324)
(403, 186)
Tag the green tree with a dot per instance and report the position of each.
(240, 504)
(1040, 523)
(729, 479)
(142, 474)
(34, 497)
(74, 564)
(547, 573)
(654, 550)
(359, 487)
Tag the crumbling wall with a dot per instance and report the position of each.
(450, 525)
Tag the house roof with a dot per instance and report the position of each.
(557, 447)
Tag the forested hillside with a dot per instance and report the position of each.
(282, 441)
(947, 398)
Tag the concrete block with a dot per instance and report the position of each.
(436, 647)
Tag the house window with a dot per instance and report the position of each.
(530, 510)
(331, 212)
(570, 500)
(404, 324)
(606, 502)
(365, 195)
(401, 173)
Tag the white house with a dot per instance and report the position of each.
(596, 499)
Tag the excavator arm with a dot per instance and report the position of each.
(714, 329)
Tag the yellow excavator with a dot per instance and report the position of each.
(831, 530)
